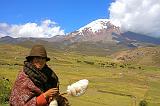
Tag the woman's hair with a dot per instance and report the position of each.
(30, 59)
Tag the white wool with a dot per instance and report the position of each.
(78, 88)
(53, 103)
(71, 90)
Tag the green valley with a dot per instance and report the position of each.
(111, 83)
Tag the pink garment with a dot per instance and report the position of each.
(24, 92)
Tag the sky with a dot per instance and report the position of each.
(47, 18)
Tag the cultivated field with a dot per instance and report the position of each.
(110, 83)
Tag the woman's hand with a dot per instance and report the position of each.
(51, 93)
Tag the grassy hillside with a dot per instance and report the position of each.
(149, 56)
(110, 83)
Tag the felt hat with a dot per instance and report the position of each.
(38, 50)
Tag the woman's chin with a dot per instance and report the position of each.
(39, 67)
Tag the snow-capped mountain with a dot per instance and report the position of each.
(98, 30)
(95, 26)
(101, 30)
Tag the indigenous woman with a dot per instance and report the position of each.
(36, 84)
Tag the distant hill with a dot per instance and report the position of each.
(149, 56)
(141, 38)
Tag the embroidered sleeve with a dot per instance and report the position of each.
(24, 92)
(41, 101)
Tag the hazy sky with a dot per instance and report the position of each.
(47, 18)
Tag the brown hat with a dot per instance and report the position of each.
(38, 50)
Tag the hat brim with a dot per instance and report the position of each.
(31, 57)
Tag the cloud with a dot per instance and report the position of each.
(140, 16)
(47, 28)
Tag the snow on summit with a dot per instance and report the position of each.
(95, 25)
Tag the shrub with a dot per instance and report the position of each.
(89, 62)
(78, 61)
(5, 89)
(143, 103)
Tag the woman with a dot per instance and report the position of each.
(36, 84)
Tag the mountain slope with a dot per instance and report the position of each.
(141, 38)
(149, 56)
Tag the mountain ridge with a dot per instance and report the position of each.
(104, 37)
(98, 30)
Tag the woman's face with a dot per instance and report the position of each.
(39, 62)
